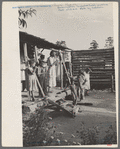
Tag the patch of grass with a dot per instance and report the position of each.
(37, 129)
(89, 136)
(111, 136)
(94, 135)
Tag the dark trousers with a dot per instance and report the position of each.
(43, 84)
(23, 85)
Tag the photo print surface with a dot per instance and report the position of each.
(68, 61)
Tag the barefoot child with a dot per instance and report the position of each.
(73, 91)
(81, 85)
(87, 84)
(32, 79)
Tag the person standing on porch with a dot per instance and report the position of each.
(41, 73)
(31, 70)
(51, 62)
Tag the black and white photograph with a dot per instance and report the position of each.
(67, 74)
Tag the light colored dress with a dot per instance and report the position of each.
(32, 80)
(22, 72)
(87, 84)
(58, 71)
(81, 86)
(51, 72)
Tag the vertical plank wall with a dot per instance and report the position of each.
(101, 61)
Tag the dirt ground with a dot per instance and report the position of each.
(94, 124)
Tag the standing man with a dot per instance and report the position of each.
(41, 73)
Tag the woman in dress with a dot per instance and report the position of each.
(51, 62)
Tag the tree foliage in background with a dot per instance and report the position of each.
(61, 43)
(23, 15)
(109, 42)
(94, 45)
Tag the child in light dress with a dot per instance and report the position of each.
(31, 70)
(81, 85)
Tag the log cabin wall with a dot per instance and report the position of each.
(101, 61)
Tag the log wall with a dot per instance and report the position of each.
(101, 61)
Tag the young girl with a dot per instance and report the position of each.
(73, 91)
(32, 79)
(87, 84)
(81, 85)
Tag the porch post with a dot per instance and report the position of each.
(25, 53)
(36, 54)
(112, 83)
(26, 64)
(61, 71)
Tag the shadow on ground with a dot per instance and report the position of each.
(85, 104)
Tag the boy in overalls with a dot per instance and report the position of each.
(41, 73)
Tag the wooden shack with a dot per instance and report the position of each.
(101, 61)
(30, 44)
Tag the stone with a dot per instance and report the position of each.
(33, 107)
(50, 118)
(73, 136)
(65, 140)
(47, 129)
(40, 104)
(58, 140)
(44, 141)
(74, 142)
(61, 133)
(78, 143)
(52, 137)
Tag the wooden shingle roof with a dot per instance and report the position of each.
(39, 42)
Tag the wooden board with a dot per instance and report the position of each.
(101, 61)
(67, 110)
(98, 50)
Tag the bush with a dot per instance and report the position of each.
(92, 136)
(111, 136)
(89, 136)
(37, 129)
